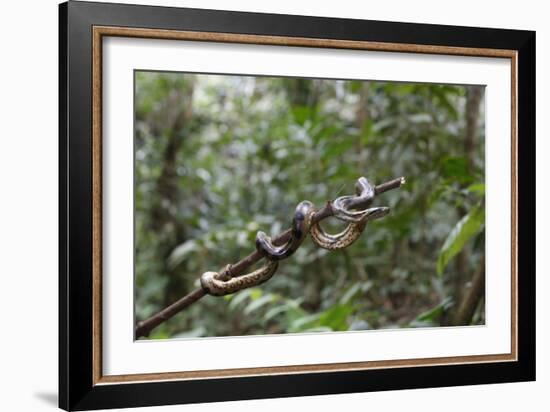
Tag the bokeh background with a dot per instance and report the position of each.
(219, 157)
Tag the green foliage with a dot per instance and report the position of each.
(432, 317)
(220, 157)
(464, 230)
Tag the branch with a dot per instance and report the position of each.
(144, 328)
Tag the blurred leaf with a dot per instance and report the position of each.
(274, 311)
(455, 169)
(179, 253)
(239, 298)
(353, 290)
(437, 193)
(257, 303)
(160, 334)
(302, 113)
(336, 149)
(478, 188)
(255, 293)
(346, 297)
(303, 323)
(464, 230)
(432, 315)
(442, 94)
(420, 118)
(336, 317)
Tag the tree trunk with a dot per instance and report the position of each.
(164, 217)
(467, 300)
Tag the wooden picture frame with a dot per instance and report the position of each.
(82, 384)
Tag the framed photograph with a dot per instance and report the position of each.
(256, 205)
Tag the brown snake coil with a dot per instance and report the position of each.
(221, 283)
(349, 235)
(357, 219)
(301, 223)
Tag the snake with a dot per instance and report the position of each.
(222, 283)
(357, 220)
(301, 223)
(349, 235)
(364, 193)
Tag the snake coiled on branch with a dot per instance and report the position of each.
(223, 283)
(357, 220)
(301, 223)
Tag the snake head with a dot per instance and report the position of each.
(364, 189)
(376, 213)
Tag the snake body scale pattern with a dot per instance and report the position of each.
(349, 235)
(221, 283)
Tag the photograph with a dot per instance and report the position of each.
(250, 206)
(259, 205)
(223, 163)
